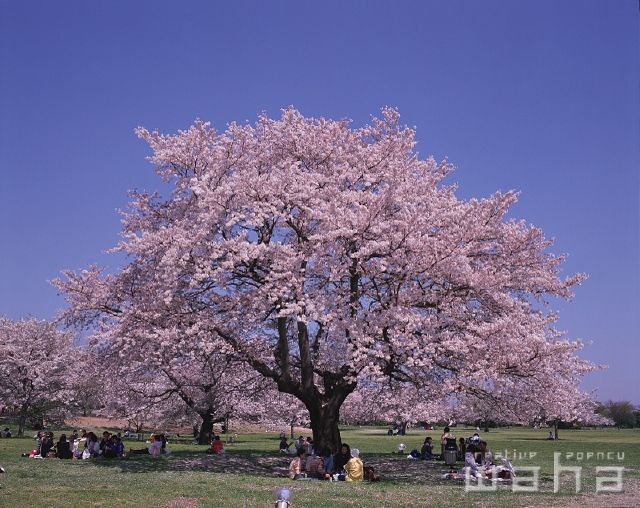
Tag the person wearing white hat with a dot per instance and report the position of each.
(354, 467)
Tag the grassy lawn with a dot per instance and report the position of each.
(249, 473)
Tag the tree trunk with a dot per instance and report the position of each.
(23, 420)
(206, 429)
(555, 429)
(324, 425)
(323, 406)
(137, 424)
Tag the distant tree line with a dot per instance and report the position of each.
(621, 412)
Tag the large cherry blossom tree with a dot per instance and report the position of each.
(323, 256)
(36, 363)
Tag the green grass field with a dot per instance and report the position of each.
(248, 474)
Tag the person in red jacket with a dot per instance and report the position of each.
(216, 446)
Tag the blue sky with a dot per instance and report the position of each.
(539, 96)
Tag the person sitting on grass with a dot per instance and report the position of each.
(426, 452)
(462, 448)
(443, 439)
(63, 448)
(474, 440)
(301, 442)
(163, 441)
(47, 446)
(40, 439)
(157, 445)
(297, 464)
(470, 464)
(284, 445)
(475, 451)
(354, 467)
(216, 446)
(92, 445)
(327, 459)
(316, 467)
(115, 449)
(341, 458)
(154, 449)
(106, 441)
(486, 455)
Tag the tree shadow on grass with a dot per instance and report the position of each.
(401, 470)
(389, 469)
(184, 461)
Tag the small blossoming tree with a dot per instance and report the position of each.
(36, 367)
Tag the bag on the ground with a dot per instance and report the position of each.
(369, 474)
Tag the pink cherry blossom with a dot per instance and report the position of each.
(36, 367)
(325, 257)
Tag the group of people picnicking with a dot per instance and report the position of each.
(478, 459)
(474, 445)
(345, 465)
(86, 445)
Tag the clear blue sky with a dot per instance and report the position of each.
(539, 96)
